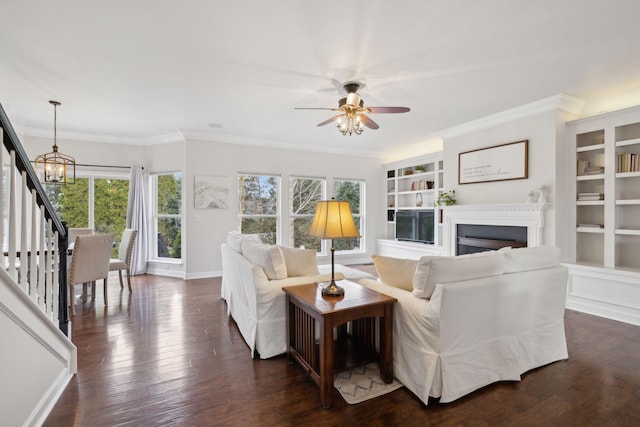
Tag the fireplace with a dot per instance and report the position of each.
(523, 222)
(472, 238)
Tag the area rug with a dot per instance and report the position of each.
(363, 383)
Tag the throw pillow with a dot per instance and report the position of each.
(434, 269)
(533, 258)
(396, 272)
(235, 239)
(268, 257)
(300, 262)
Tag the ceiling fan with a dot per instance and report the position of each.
(352, 115)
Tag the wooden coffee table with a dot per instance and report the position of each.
(347, 332)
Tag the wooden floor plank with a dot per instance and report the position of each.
(168, 355)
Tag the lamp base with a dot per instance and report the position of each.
(332, 290)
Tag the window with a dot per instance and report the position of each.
(352, 191)
(167, 213)
(304, 193)
(258, 200)
(93, 202)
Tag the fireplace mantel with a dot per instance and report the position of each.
(530, 215)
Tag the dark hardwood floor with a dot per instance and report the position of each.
(168, 355)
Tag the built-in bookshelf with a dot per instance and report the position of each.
(607, 189)
(414, 184)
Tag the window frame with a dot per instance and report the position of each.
(277, 216)
(361, 214)
(323, 194)
(155, 216)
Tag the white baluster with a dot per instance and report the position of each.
(56, 284)
(33, 267)
(42, 261)
(24, 259)
(49, 283)
(3, 259)
(12, 217)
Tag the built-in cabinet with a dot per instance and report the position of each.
(414, 184)
(607, 189)
(604, 211)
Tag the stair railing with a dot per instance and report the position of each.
(34, 238)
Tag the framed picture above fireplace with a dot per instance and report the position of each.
(496, 163)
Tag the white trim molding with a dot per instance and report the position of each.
(530, 215)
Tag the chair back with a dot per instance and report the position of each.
(126, 245)
(73, 232)
(90, 259)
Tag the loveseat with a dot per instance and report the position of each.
(464, 322)
(253, 275)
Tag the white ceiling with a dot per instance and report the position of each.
(155, 70)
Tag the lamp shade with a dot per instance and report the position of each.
(333, 220)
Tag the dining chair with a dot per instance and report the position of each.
(123, 262)
(89, 262)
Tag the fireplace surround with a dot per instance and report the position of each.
(527, 215)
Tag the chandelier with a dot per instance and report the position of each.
(55, 167)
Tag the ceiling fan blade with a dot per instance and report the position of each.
(388, 110)
(368, 122)
(332, 119)
(313, 108)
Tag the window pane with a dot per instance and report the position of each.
(169, 238)
(305, 193)
(71, 202)
(300, 237)
(349, 190)
(265, 227)
(258, 195)
(169, 194)
(110, 201)
(352, 192)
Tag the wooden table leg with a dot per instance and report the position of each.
(290, 323)
(386, 345)
(326, 363)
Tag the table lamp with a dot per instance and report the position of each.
(333, 220)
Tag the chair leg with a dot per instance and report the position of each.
(105, 291)
(129, 280)
(121, 283)
(93, 290)
(84, 292)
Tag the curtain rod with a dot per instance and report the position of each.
(99, 166)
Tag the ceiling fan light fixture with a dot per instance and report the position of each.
(350, 123)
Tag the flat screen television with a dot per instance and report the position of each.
(415, 225)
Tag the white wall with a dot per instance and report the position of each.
(542, 129)
(206, 229)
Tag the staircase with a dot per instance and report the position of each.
(37, 358)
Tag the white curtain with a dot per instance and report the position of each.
(137, 219)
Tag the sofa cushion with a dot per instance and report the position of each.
(432, 270)
(533, 258)
(396, 272)
(269, 257)
(300, 262)
(235, 239)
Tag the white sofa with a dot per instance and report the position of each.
(462, 323)
(252, 280)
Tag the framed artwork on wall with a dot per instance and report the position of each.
(211, 192)
(496, 163)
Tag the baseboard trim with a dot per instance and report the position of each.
(603, 309)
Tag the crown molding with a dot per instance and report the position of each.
(168, 138)
(560, 102)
